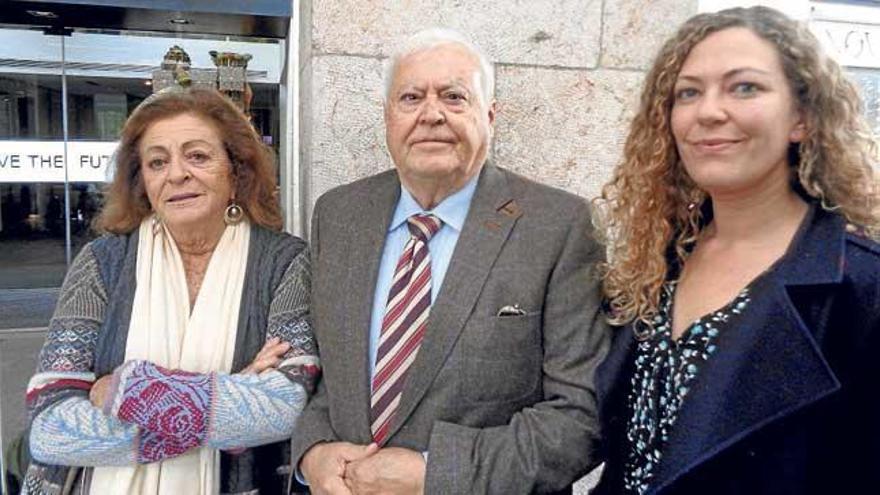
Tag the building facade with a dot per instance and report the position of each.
(568, 74)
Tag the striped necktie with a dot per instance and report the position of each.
(406, 316)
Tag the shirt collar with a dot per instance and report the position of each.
(452, 210)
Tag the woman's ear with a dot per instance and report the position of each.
(799, 132)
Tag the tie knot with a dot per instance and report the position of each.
(423, 227)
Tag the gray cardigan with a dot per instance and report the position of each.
(270, 300)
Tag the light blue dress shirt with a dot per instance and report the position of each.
(452, 211)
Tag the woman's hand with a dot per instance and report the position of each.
(99, 391)
(268, 357)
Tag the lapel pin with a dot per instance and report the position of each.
(510, 209)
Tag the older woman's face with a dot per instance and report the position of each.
(734, 115)
(186, 172)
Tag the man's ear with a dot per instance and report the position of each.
(492, 110)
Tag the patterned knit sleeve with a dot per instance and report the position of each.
(290, 320)
(184, 410)
(65, 428)
(75, 433)
(65, 363)
(178, 410)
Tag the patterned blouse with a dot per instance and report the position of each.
(665, 369)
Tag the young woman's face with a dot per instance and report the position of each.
(734, 115)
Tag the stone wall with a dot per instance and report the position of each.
(568, 74)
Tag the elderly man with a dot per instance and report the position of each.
(456, 306)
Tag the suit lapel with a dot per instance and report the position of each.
(492, 215)
(769, 365)
(370, 221)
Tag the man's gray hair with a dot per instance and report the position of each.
(432, 38)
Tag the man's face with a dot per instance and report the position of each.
(438, 127)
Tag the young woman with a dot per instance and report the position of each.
(743, 268)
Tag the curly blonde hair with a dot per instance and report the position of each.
(652, 212)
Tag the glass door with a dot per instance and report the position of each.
(63, 101)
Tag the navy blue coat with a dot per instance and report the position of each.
(790, 403)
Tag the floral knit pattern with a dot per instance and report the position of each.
(241, 411)
(171, 407)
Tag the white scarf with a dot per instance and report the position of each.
(164, 331)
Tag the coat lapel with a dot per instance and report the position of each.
(370, 221)
(609, 385)
(769, 365)
(492, 215)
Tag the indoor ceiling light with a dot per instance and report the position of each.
(179, 21)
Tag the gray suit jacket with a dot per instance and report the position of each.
(501, 404)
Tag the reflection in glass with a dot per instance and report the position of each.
(32, 213)
(107, 76)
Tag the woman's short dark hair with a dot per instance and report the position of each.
(252, 162)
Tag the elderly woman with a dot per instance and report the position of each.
(744, 269)
(181, 340)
